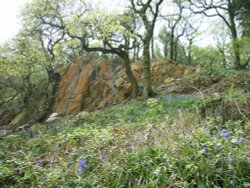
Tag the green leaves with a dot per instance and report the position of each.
(129, 145)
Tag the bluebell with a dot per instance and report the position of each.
(224, 133)
(82, 164)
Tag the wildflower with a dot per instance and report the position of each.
(126, 141)
(139, 139)
(232, 182)
(235, 141)
(191, 129)
(224, 133)
(104, 158)
(128, 148)
(204, 149)
(82, 164)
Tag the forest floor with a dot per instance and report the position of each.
(195, 133)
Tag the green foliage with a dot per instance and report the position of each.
(154, 143)
(21, 68)
(161, 142)
(208, 57)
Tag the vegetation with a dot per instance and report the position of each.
(193, 133)
(62, 30)
(162, 142)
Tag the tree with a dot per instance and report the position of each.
(227, 11)
(208, 57)
(148, 12)
(173, 20)
(190, 35)
(164, 37)
(172, 47)
(243, 16)
(109, 34)
(21, 69)
(41, 22)
(91, 30)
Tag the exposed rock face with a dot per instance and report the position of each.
(91, 83)
(163, 70)
(52, 117)
(74, 85)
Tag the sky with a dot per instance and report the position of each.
(10, 10)
(9, 22)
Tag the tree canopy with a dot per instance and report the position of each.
(55, 32)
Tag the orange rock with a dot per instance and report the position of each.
(137, 70)
(198, 70)
(85, 85)
(168, 80)
(74, 86)
(179, 70)
(91, 83)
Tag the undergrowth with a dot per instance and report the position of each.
(162, 142)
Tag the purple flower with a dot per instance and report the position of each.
(128, 148)
(104, 158)
(82, 164)
(224, 133)
(191, 129)
(235, 141)
(126, 141)
(204, 149)
(139, 139)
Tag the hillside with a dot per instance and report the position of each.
(89, 83)
(195, 133)
(126, 94)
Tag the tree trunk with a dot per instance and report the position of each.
(172, 45)
(165, 51)
(147, 87)
(224, 59)
(189, 51)
(130, 75)
(152, 48)
(175, 50)
(236, 46)
(54, 80)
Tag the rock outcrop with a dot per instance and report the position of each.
(93, 82)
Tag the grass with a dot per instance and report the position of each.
(162, 142)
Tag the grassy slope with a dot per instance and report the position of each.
(160, 142)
